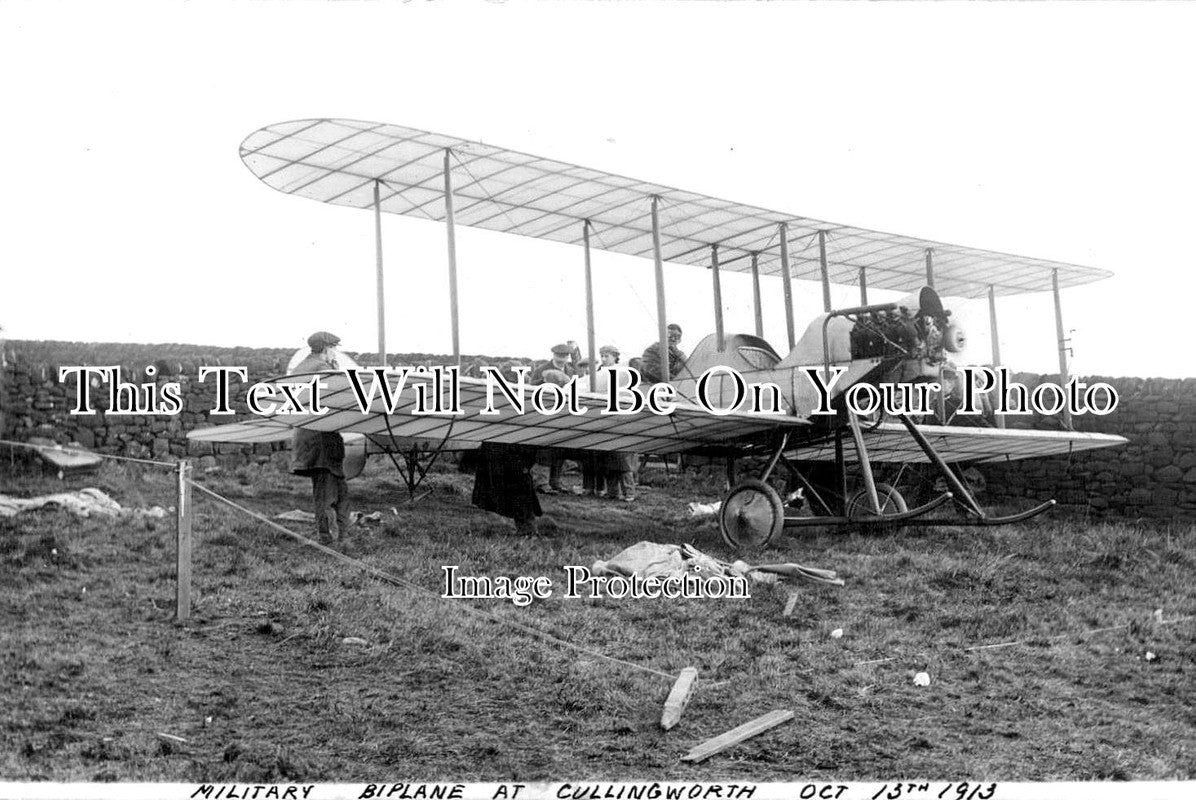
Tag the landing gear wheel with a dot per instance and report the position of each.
(859, 507)
(751, 515)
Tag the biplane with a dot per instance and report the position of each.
(817, 469)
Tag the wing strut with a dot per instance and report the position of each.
(864, 464)
(378, 269)
(452, 253)
(756, 294)
(1062, 343)
(661, 322)
(783, 230)
(826, 278)
(591, 345)
(996, 340)
(718, 299)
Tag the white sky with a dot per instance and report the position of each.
(1056, 131)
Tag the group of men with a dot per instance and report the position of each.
(609, 475)
(604, 474)
(504, 480)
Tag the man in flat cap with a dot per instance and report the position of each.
(559, 370)
(321, 454)
(651, 368)
(563, 360)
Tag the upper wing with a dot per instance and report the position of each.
(891, 442)
(341, 161)
(688, 427)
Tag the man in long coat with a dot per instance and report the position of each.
(321, 454)
(503, 484)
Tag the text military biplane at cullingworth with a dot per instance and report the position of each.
(830, 460)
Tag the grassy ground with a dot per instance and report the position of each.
(261, 685)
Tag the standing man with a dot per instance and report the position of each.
(616, 478)
(320, 454)
(594, 464)
(651, 363)
(503, 484)
(558, 370)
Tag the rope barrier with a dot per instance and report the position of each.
(397, 581)
(76, 451)
(1089, 632)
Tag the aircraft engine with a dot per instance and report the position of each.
(919, 329)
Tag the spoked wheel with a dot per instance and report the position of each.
(859, 507)
(751, 515)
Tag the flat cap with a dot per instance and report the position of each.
(321, 339)
(561, 350)
(608, 350)
(673, 326)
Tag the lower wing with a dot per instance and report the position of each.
(891, 442)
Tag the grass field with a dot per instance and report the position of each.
(262, 687)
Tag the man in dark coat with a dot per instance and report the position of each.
(320, 454)
(564, 359)
(503, 484)
(651, 364)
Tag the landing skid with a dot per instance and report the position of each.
(752, 512)
(885, 520)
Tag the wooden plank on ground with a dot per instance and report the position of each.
(791, 603)
(678, 697)
(737, 735)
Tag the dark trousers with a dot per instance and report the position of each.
(332, 507)
(556, 466)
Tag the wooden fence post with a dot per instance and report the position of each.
(183, 520)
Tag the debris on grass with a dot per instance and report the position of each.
(650, 559)
(790, 604)
(736, 735)
(155, 512)
(922, 679)
(646, 559)
(270, 628)
(83, 503)
(678, 698)
(704, 509)
(296, 515)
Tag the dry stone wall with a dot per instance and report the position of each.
(1152, 476)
